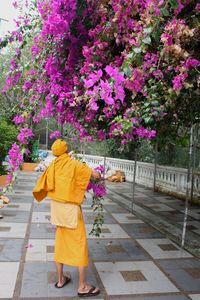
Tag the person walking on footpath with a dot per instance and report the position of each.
(65, 181)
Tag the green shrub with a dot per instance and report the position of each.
(33, 147)
(8, 135)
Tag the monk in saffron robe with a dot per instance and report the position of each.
(65, 182)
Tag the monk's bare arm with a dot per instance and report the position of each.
(95, 175)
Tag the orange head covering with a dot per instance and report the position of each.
(59, 147)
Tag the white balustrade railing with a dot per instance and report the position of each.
(168, 179)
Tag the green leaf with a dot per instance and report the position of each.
(130, 55)
(148, 30)
(137, 50)
(150, 81)
(147, 119)
(156, 36)
(139, 59)
(174, 3)
(154, 102)
(164, 11)
(127, 71)
(147, 40)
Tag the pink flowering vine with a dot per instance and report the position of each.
(112, 69)
(56, 134)
(15, 159)
(24, 135)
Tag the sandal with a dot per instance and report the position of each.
(67, 280)
(90, 293)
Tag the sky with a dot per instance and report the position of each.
(8, 12)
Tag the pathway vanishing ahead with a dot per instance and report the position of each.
(131, 260)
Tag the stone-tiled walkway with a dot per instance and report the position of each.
(162, 211)
(131, 260)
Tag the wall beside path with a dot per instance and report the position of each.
(171, 180)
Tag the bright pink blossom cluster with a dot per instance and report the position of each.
(55, 135)
(15, 159)
(24, 135)
(98, 188)
(109, 68)
(19, 119)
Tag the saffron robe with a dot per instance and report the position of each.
(64, 214)
(71, 247)
(66, 180)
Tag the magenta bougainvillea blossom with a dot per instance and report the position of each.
(98, 189)
(55, 135)
(112, 69)
(24, 135)
(15, 159)
(98, 186)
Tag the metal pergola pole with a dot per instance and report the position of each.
(193, 162)
(104, 165)
(47, 132)
(61, 130)
(134, 175)
(188, 187)
(155, 165)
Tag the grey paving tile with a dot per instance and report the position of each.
(12, 230)
(15, 216)
(20, 193)
(180, 263)
(160, 297)
(10, 250)
(185, 272)
(8, 275)
(43, 207)
(108, 231)
(89, 218)
(23, 199)
(176, 217)
(18, 206)
(141, 231)
(163, 249)
(23, 187)
(134, 278)
(145, 200)
(39, 279)
(195, 296)
(115, 209)
(42, 231)
(34, 282)
(115, 250)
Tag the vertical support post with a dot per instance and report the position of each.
(84, 150)
(104, 165)
(155, 166)
(134, 175)
(193, 162)
(188, 185)
(47, 132)
(61, 130)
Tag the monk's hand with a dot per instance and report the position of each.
(96, 175)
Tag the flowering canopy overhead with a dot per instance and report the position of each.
(111, 68)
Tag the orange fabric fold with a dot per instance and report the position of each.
(65, 180)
